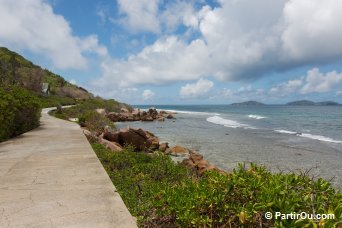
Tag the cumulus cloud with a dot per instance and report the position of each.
(314, 82)
(140, 15)
(312, 29)
(167, 60)
(147, 94)
(317, 82)
(195, 90)
(32, 25)
(234, 41)
(286, 88)
(179, 13)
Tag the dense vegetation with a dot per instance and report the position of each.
(162, 193)
(85, 111)
(19, 111)
(22, 97)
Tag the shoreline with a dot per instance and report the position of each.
(159, 191)
(226, 151)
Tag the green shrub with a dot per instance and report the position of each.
(162, 193)
(95, 122)
(19, 111)
(84, 106)
(53, 101)
(243, 198)
(85, 112)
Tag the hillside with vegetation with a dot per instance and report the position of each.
(25, 88)
(17, 71)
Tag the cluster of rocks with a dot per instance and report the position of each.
(144, 141)
(138, 115)
(137, 139)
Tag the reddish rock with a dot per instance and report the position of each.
(139, 139)
(188, 163)
(196, 157)
(179, 151)
(124, 110)
(202, 164)
(168, 151)
(111, 136)
(136, 111)
(163, 147)
(113, 146)
(92, 138)
(113, 116)
(198, 164)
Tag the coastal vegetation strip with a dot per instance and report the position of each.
(161, 193)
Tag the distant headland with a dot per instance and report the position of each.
(293, 103)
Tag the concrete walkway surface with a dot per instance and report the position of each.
(51, 177)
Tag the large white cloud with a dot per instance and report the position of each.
(196, 90)
(32, 25)
(236, 41)
(140, 15)
(312, 30)
(317, 82)
(168, 59)
(313, 82)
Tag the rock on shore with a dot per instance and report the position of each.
(138, 115)
(138, 139)
(144, 141)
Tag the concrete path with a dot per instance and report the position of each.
(51, 177)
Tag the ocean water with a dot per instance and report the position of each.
(283, 138)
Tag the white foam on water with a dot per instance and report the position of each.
(310, 136)
(190, 112)
(320, 138)
(257, 117)
(227, 123)
(286, 132)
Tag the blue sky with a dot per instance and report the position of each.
(184, 51)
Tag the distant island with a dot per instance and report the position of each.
(293, 103)
(248, 103)
(311, 103)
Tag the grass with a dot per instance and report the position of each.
(161, 193)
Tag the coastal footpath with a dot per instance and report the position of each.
(51, 177)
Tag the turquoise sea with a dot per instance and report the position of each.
(284, 138)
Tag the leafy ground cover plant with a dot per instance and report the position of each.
(162, 193)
